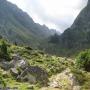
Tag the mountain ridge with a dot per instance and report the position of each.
(17, 26)
(74, 39)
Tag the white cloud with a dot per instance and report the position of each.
(58, 14)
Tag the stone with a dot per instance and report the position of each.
(64, 80)
(40, 74)
(14, 72)
(22, 64)
(55, 84)
(5, 65)
(16, 57)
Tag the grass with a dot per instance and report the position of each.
(51, 64)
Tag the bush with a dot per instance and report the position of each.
(3, 50)
(2, 81)
(83, 60)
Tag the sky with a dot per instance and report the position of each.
(56, 14)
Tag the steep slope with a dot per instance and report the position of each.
(17, 26)
(78, 35)
(75, 38)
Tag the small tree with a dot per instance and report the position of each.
(3, 50)
(83, 60)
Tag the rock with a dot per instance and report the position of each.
(22, 64)
(19, 62)
(31, 79)
(16, 57)
(25, 76)
(55, 84)
(5, 65)
(33, 74)
(22, 71)
(40, 74)
(64, 80)
(14, 72)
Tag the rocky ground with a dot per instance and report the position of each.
(63, 81)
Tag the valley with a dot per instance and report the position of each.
(34, 57)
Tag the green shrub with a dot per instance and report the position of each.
(3, 50)
(2, 82)
(83, 60)
(80, 75)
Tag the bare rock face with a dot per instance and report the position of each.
(18, 61)
(23, 72)
(34, 74)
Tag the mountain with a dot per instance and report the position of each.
(75, 38)
(18, 27)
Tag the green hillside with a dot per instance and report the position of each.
(24, 68)
(18, 26)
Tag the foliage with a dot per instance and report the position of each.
(80, 75)
(83, 60)
(51, 64)
(3, 50)
(2, 81)
(86, 85)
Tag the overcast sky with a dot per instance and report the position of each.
(56, 14)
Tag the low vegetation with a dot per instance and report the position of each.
(52, 65)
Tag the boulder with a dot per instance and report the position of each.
(30, 78)
(16, 57)
(5, 65)
(17, 61)
(23, 64)
(14, 72)
(40, 74)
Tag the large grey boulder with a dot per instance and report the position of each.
(18, 61)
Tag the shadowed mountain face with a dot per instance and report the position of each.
(78, 35)
(17, 26)
(75, 38)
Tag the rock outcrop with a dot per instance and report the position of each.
(23, 72)
(64, 80)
